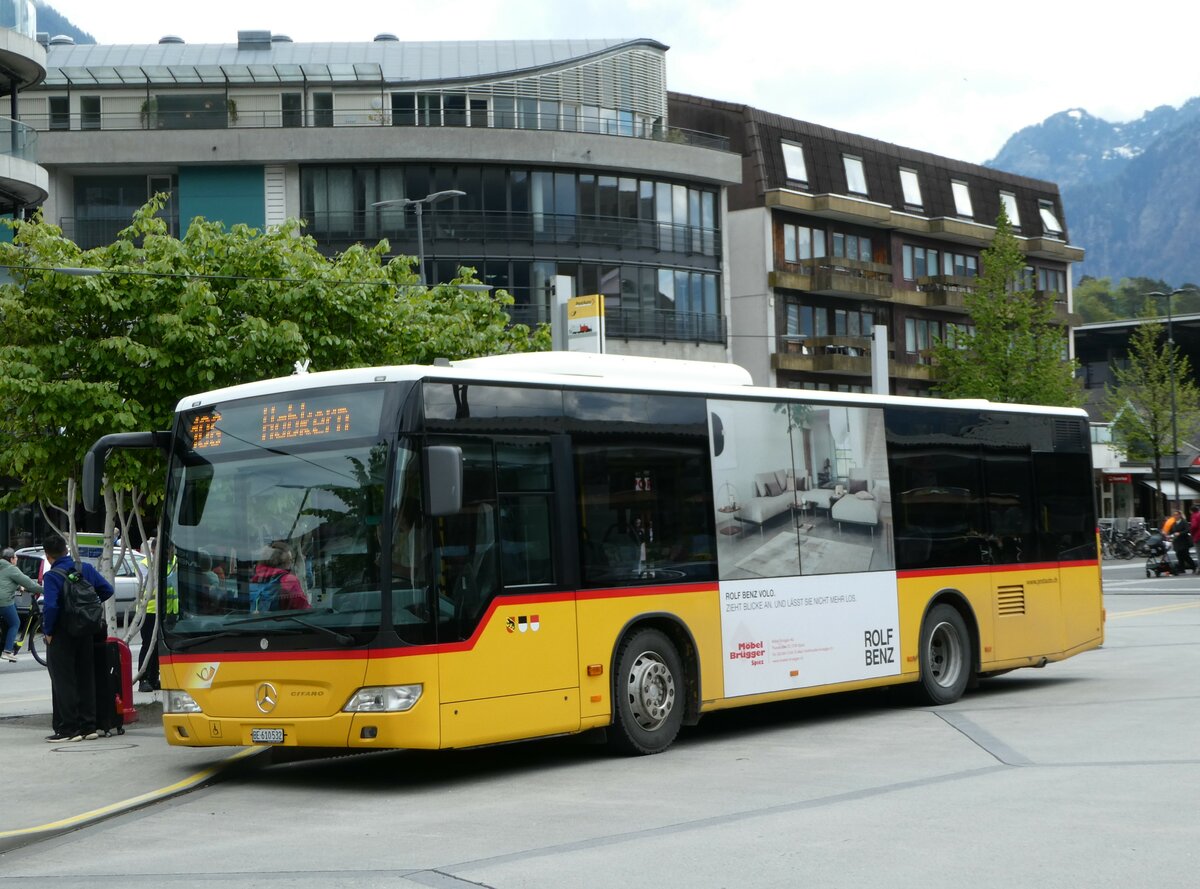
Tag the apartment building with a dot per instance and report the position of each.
(833, 234)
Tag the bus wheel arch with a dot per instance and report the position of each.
(654, 686)
(948, 650)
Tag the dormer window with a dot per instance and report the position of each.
(1009, 200)
(1049, 221)
(856, 177)
(911, 186)
(962, 198)
(793, 162)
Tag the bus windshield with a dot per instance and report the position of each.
(275, 529)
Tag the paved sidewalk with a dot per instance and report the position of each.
(73, 784)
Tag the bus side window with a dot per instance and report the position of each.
(465, 563)
(524, 479)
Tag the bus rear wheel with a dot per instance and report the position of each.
(647, 694)
(945, 655)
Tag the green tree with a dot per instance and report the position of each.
(1093, 300)
(1014, 351)
(114, 351)
(1138, 403)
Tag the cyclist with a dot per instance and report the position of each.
(11, 580)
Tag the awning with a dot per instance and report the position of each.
(1168, 489)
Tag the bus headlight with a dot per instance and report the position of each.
(383, 699)
(175, 701)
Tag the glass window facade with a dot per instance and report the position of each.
(652, 247)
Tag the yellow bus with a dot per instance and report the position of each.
(535, 545)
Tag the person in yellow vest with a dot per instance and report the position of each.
(148, 655)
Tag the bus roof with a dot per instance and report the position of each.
(589, 370)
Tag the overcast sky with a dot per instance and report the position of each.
(955, 77)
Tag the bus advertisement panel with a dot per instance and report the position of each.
(786, 475)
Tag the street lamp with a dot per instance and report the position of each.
(1174, 411)
(419, 205)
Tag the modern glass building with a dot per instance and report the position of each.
(563, 150)
(23, 183)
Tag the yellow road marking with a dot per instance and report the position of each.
(1158, 609)
(133, 802)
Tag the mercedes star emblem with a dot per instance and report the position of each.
(266, 697)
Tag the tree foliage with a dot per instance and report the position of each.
(1014, 352)
(1138, 404)
(86, 355)
(1097, 299)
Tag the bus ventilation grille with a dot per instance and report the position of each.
(1069, 436)
(1010, 600)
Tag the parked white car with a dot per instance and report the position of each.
(33, 563)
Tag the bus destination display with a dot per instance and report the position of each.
(311, 417)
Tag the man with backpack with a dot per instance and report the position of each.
(73, 613)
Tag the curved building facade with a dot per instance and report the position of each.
(22, 65)
(563, 151)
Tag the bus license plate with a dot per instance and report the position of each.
(266, 735)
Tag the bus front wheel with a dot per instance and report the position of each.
(945, 655)
(647, 694)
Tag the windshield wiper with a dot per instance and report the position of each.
(340, 638)
(200, 640)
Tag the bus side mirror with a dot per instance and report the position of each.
(97, 456)
(444, 480)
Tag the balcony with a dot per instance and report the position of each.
(845, 356)
(22, 181)
(97, 231)
(947, 292)
(829, 276)
(152, 116)
(18, 140)
(477, 231)
(841, 355)
(663, 325)
(336, 231)
(1058, 302)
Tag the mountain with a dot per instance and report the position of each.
(53, 22)
(1131, 191)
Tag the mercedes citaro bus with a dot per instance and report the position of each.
(533, 545)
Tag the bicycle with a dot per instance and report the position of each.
(33, 629)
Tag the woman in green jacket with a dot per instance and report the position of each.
(11, 580)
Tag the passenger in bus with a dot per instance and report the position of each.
(274, 586)
(205, 584)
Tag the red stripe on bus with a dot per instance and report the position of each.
(566, 596)
(440, 647)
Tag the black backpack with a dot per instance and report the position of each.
(80, 605)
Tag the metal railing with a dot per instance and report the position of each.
(665, 325)
(230, 117)
(338, 229)
(88, 232)
(18, 139)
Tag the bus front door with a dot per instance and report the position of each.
(508, 658)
